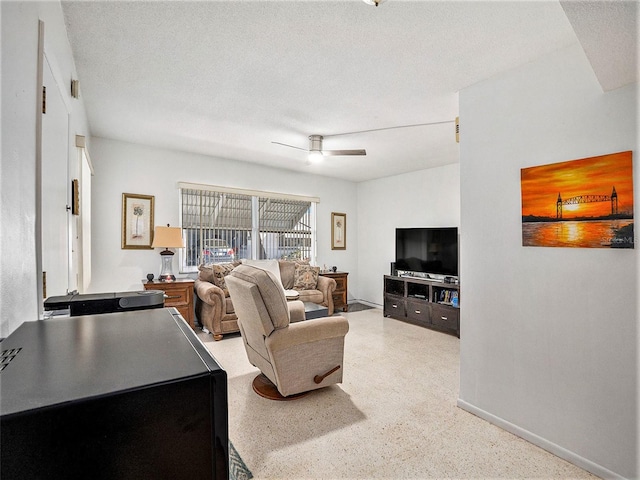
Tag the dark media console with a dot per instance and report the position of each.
(428, 303)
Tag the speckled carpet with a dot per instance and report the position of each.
(394, 416)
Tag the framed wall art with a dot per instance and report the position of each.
(137, 221)
(75, 197)
(584, 203)
(338, 231)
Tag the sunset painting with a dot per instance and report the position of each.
(579, 203)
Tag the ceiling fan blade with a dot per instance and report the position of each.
(291, 146)
(344, 152)
(316, 146)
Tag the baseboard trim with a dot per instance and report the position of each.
(551, 447)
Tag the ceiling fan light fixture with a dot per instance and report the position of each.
(315, 148)
(373, 2)
(315, 156)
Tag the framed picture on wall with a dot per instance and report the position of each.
(137, 221)
(75, 197)
(585, 203)
(338, 231)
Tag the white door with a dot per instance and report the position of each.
(85, 224)
(55, 188)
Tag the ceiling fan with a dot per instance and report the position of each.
(317, 153)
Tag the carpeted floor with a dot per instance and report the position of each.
(394, 416)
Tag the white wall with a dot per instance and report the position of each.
(19, 43)
(128, 168)
(549, 336)
(427, 198)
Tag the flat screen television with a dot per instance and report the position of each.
(427, 250)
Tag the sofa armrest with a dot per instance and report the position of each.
(327, 286)
(308, 331)
(208, 292)
(210, 305)
(296, 311)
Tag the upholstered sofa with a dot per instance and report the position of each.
(215, 311)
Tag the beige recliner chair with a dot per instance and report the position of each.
(295, 356)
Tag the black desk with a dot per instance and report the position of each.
(120, 395)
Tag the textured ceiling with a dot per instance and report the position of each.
(608, 33)
(227, 78)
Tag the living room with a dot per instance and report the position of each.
(549, 337)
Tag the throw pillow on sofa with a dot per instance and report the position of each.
(206, 272)
(215, 273)
(305, 277)
(288, 271)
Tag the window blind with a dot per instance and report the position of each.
(223, 226)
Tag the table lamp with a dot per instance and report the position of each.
(167, 237)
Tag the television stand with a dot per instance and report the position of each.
(429, 303)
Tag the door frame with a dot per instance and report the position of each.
(39, 194)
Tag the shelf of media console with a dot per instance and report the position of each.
(432, 277)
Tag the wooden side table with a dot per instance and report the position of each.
(178, 293)
(340, 293)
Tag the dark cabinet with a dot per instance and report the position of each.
(427, 303)
(178, 293)
(393, 306)
(340, 293)
(445, 317)
(418, 311)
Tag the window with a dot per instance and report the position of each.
(220, 224)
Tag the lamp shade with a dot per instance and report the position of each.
(167, 237)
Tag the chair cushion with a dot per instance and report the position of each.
(305, 277)
(288, 270)
(269, 265)
(228, 306)
(314, 296)
(271, 292)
